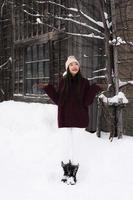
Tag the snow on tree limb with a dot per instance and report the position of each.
(109, 24)
(92, 20)
(91, 35)
(100, 24)
(68, 19)
(97, 77)
(115, 100)
(130, 82)
(9, 60)
(100, 70)
(2, 7)
(124, 83)
(31, 14)
(38, 21)
(80, 23)
(119, 41)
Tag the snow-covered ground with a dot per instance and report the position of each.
(31, 150)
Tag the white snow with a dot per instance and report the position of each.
(100, 70)
(85, 56)
(109, 24)
(31, 14)
(73, 9)
(97, 77)
(91, 35)
(123, 83)
(131, 82)
(106, 15)
(92, 20)
(70, 15)
(118, 41)
(38, 20)
(31, 150)
(117, 99)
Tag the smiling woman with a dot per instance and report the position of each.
(74, 68)
(73, 65)
(73, 96)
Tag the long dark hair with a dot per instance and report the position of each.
(67, 87)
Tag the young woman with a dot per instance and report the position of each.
(73, 96)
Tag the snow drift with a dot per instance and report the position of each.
(31, 150)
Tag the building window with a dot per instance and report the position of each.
(37, 68)
(32, 66)
(18, 71)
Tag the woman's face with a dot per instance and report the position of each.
(73, 68)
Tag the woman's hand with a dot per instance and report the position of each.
(42, 85)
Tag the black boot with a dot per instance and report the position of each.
(70, 172)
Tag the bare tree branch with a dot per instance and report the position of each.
(4, 64)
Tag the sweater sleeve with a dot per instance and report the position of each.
(90, 93)
(52, 93)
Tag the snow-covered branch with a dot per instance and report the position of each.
(31, 14)
(80, 23)
(3, 4)
(97, 77)
(100, 24)
(92, 20)
(4, 64)
(118, 41)
(100, 70)
(38, 21)
(91, 35)
(124, 83)
(115, 100)
(109, 24)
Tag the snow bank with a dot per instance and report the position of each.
(31, 150)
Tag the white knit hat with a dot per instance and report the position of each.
(70, 59)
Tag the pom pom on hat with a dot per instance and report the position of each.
(71, 59)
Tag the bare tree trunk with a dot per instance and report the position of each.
(12, 44)
(108, 65)
(102, 7)
(119, 108)
(99, 116)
